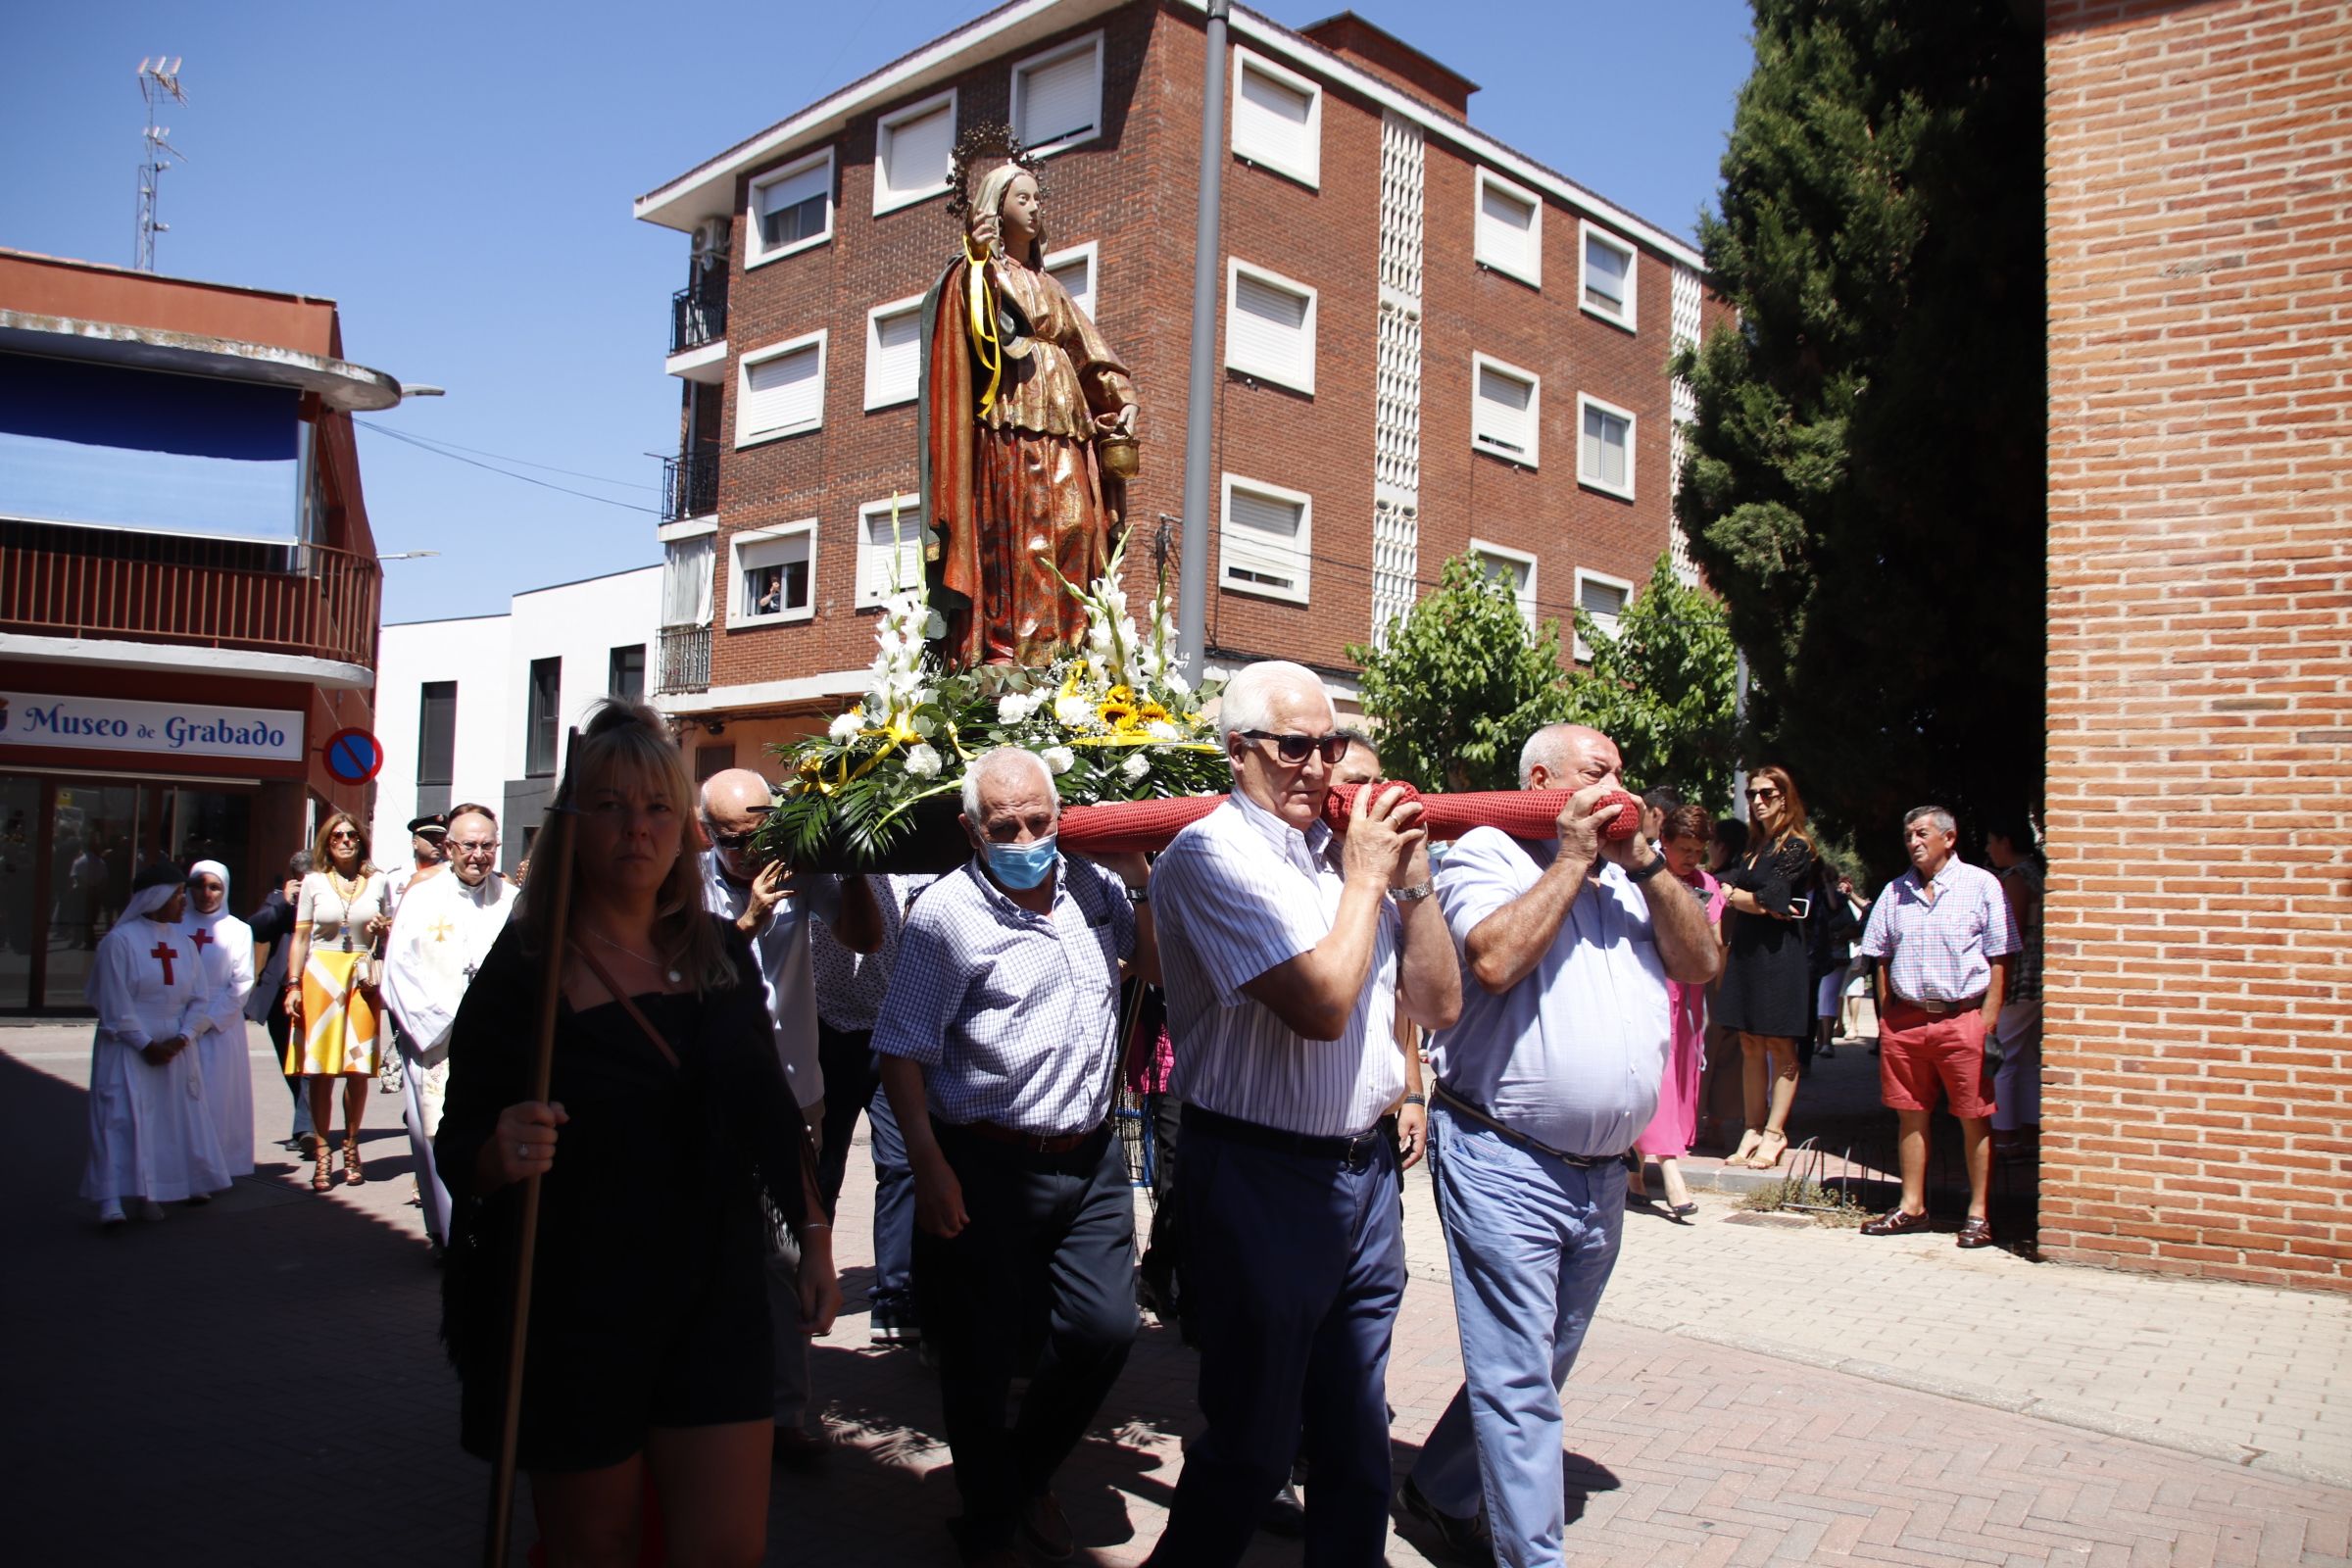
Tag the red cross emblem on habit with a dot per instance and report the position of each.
(202, 937)
(164, 954)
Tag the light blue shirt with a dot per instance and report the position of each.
(781, 949)
(1238, 892)
(1013, 1015)
(1572, 1055)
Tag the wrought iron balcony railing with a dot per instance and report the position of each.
(698, 314)
(690, 484)
(685, 659)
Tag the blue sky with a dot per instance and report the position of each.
(458, 178)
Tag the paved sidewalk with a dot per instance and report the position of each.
(263, 1376)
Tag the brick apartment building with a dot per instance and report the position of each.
(188, 592)
(2199, 927)
(1430, 343)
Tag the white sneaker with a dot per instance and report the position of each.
(109, 1213)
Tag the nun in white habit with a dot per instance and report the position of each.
(152, 1139)
(223, 946)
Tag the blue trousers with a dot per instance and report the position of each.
(853, 1083)
(1531, 1240)
(1292, 1271)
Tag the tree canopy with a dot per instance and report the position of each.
(1865, 478)
(1665, 688)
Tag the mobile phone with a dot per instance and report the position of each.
(1798, 908)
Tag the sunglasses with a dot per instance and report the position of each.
(1296, 749)
(1763, 795)
(342, 836)
(731, 841)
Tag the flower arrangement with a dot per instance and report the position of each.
(1111, 717)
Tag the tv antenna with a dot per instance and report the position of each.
(159, 80)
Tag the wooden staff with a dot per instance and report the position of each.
(552, 863)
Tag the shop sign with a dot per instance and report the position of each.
(155, 730)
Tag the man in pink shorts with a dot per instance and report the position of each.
(1940, 935)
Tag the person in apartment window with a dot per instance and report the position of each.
(768, 591)
(1018, 387)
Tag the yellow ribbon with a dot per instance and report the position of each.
(983, 323)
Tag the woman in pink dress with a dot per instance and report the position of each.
(1682, 840)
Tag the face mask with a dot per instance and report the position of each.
(1021, 866)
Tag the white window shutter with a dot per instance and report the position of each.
(1269, 331)
(1505, 411)
(1604, 602)
(891, 553)
(1273, 119)
(815, 180)
(894, 364)
(1059, 100)
(917, 153)
(1604, 275)
(1506, 230)
(1077, 280)
(1260, 543)
(783, 393)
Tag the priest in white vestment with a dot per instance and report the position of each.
(152, 1139)
(223, 947)
(444, 929)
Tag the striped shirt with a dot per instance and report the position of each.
(1013, 1015)
(1573, 1054)
(1238, 892)
(1940, 950)
(781, 948)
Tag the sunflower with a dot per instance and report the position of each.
(1151, 713)
(1117, 709)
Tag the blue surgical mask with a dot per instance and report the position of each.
(1021, 866)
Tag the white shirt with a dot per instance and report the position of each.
(440, 936)
(1238, 892)
(1013, 1015)
(781, 948)
(1572, 1055)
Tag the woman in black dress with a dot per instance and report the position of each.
(680, 1146)
(1766, 989)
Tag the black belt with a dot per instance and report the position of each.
(1355, 1152)
(1485, 1119)
(1026, 1141)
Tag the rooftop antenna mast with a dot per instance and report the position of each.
(159, 80)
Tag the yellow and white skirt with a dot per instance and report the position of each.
(339, 1027)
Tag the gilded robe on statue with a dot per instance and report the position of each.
(1018, 484)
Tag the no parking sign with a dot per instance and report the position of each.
(353, 756)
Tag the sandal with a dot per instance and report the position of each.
(319, 1174)
(354, 1172)
(1771, 1143)
(1748, 1142)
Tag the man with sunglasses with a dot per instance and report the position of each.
(771, 905)
(1288, 950)
(440, 935)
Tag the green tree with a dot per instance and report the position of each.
(1461, 683)
(1865, 481)
(1665, 688)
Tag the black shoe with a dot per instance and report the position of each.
(1284, 1514)
(1046, 1531)
(800, 1451)
(1464, 1536)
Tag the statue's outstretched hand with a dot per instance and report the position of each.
(986, 228)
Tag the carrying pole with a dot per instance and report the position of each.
(554, 864)
(1192, 567)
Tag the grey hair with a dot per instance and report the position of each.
(1248, 699)
(992, 763)
(1543, 747)
(1932, 813)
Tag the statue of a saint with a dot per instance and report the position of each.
(1023, 405)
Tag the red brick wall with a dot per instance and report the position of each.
(1133, 192)
(2200, 1107)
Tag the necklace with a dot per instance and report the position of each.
(672, 975)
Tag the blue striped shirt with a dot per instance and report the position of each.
(1238, 892)
(1013, 1015)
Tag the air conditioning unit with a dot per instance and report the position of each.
(711, 243)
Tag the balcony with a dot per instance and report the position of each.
(698, 314)
(690, 484)
(685, 661)
(304, 600)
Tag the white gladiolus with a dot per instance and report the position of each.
(1136, 766)
(846, 726)
(923, 761)
(1060, 759)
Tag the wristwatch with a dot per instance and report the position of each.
(1416, 1100)
(1140, 896)
(1656, 864)
(1414, 894)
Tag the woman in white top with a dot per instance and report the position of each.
(330, 986)
(152, 1142)
(223, 947)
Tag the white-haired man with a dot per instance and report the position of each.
(1543, 1085)
(1288, 951)
(1941, 935)
(999, 1039)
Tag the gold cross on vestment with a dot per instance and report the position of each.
(440, 929)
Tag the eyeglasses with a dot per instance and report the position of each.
(460, 846)
(1296, 749)
(1763, 795)
(342, 835)
(731, 841)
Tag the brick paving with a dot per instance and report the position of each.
(264, 1375)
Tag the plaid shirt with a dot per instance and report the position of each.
(1940, 950)
(1013, 1015)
